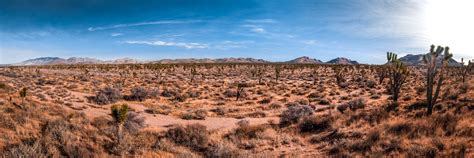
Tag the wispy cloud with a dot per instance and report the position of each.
(310, 42)
(258, 30)
(142, 24)
(261, 21)
(255, 28)
(116, 34)
(171, 44)
(226, 45)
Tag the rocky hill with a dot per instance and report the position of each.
(342, 60)
(304, 60)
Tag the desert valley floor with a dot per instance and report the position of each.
(230, 110)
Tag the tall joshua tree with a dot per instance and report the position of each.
(465, 70)
(119, 114)
(23, 93)
(434, 70)
(398, 73)
(277, 73)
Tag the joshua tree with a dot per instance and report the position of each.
(260, 73)
(465, 70)
(315, 77)
(23, 94)
(119, 114)
(240, 89)
(277, 72)
(382, 74)
(338, 74)
(193, 73)
(398, 73)
(432, 71)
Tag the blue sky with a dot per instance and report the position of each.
(274, 30)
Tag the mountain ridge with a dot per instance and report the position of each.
(409, 59)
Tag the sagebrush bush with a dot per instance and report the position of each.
(199, 114)
(138, 93)
(108, 95)
(294, 113)
(315, 124)
(355, 104)
(194, 136)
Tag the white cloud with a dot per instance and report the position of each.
(261, 21)
(116, 34)
(173, 44)
(310, 42)
(258, 30)
(226, 45)
(142, 24)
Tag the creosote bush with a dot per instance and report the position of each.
(108, 95)
(315, 124)
(294, 113)
(194, 136)
(138, 93)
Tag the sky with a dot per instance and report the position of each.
(274, 30)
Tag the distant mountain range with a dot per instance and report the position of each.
(73, 60)
(408, 59)
(411, 59)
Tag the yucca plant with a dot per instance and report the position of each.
(398, 73)
(119, 114)
(434, 70)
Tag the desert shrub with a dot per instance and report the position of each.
(193, 93)
(257, 114)
(134, 123)
(324, 101)
(366, 144)
(275, 106)
(391, 106)
(138, 93)
(420, 90)
(194, 136)
(417, 105)
(3, 85)
(375, 96)
(25, 150)
(180, 97)
(341, 108)
(219, 111)
(229, 93)
(199, 114)
(315, 124)
(355, 104)
(400, 128)
(447, 122)
(154, 92)
(107, 95)
(265, 100)
(463, 88)
(370, 84)
(422, 151)
(294, 113)
(223, 149)
(246, 131)
(393, 145)
(169, 93)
